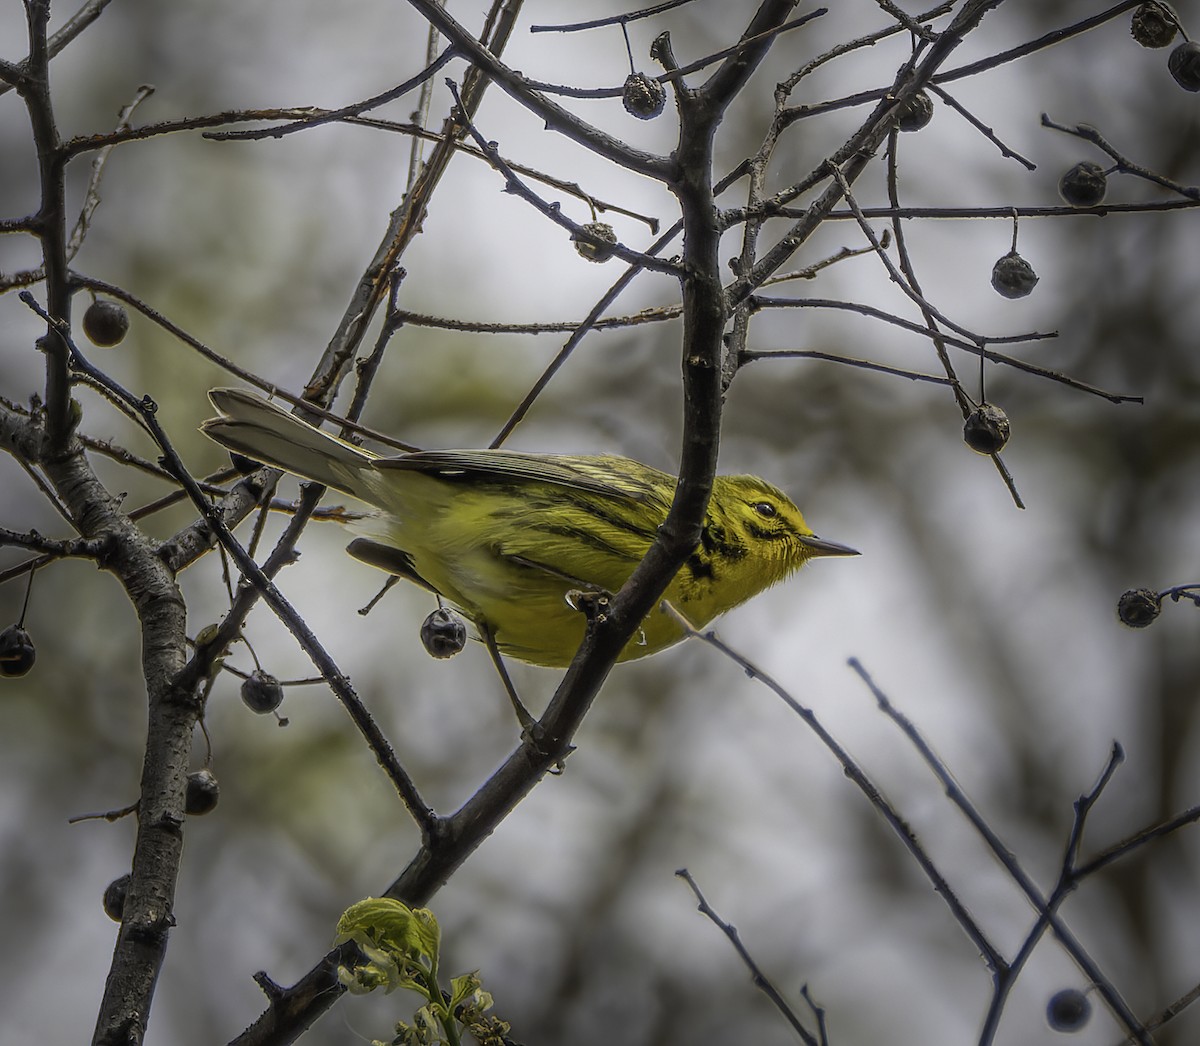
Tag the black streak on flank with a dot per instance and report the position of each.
(585, 537)
(699, 567)
(714, 544)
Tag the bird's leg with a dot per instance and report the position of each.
(527, 721)
(672, 611)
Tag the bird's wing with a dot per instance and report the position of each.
(599, 475)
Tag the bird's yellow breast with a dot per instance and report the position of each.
(511, 560)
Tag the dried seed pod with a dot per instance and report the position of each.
(203, 791)
(114, 897)
(1068, 1010)
(105, 323)
(1138, 607)
(17, 652)
(443, 633)
(1013, 276)
(987, 429)
(915, 113)
(1184, 64)
(262, 692)
(643, 96)
(592, 252)
(1154, 24)
(1084, 185)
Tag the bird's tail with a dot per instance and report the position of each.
(255, 427)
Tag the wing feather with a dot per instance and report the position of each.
(607, 476)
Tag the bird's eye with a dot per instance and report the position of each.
(766, 509)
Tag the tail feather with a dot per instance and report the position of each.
(255, 427)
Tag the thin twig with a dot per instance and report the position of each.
(1083, 807)
(593, 318)
(1050, 39)
(553, 115)
(1104, 986)
(625, 19)
(1138, 839)
(929, 314)
(338, 682)
(966, 346)
(420, 115)
(894, 273)
(972, 345)
(595, 203)
(761, 981)
(367, 368)
(515, 186)
(91, 196)
(990, 953)
(87, 143)
(1124, 164)
(784, 90)
(676, 73)
(69, 30)
(335, 115)
(913, 25)
(981, 127)
(47, 491)
(1168, 1012)
(751, 355)
(248, 376)
(657, 314)
(811, 272)
(773, 209)
(53, 548)
(1003, 983)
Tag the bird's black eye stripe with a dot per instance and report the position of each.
(766, 509)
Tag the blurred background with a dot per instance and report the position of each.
(993, 628)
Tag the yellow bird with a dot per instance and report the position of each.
(507, 537)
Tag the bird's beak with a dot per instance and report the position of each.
(820, 547)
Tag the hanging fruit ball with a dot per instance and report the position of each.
(643, 96)
(262, 692)
(203, 791)
(597, 252)
(443, 633)
(105, 323)
(1184, 65)
(1068, 1010)
(1154, 24)
(987, 429)
(114, 897)
(1013, 276)
(1138, 607)
(1084, 185)
(915, 113)
(17, 652)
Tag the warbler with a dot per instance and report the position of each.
(511, 538)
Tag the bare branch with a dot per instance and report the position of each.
(1124, 164)
(1107, 990)
(55, 548)
(625, 19)
(76, 24)
(991, 954)
(761, 981)
(336, 115)
(554, 116)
